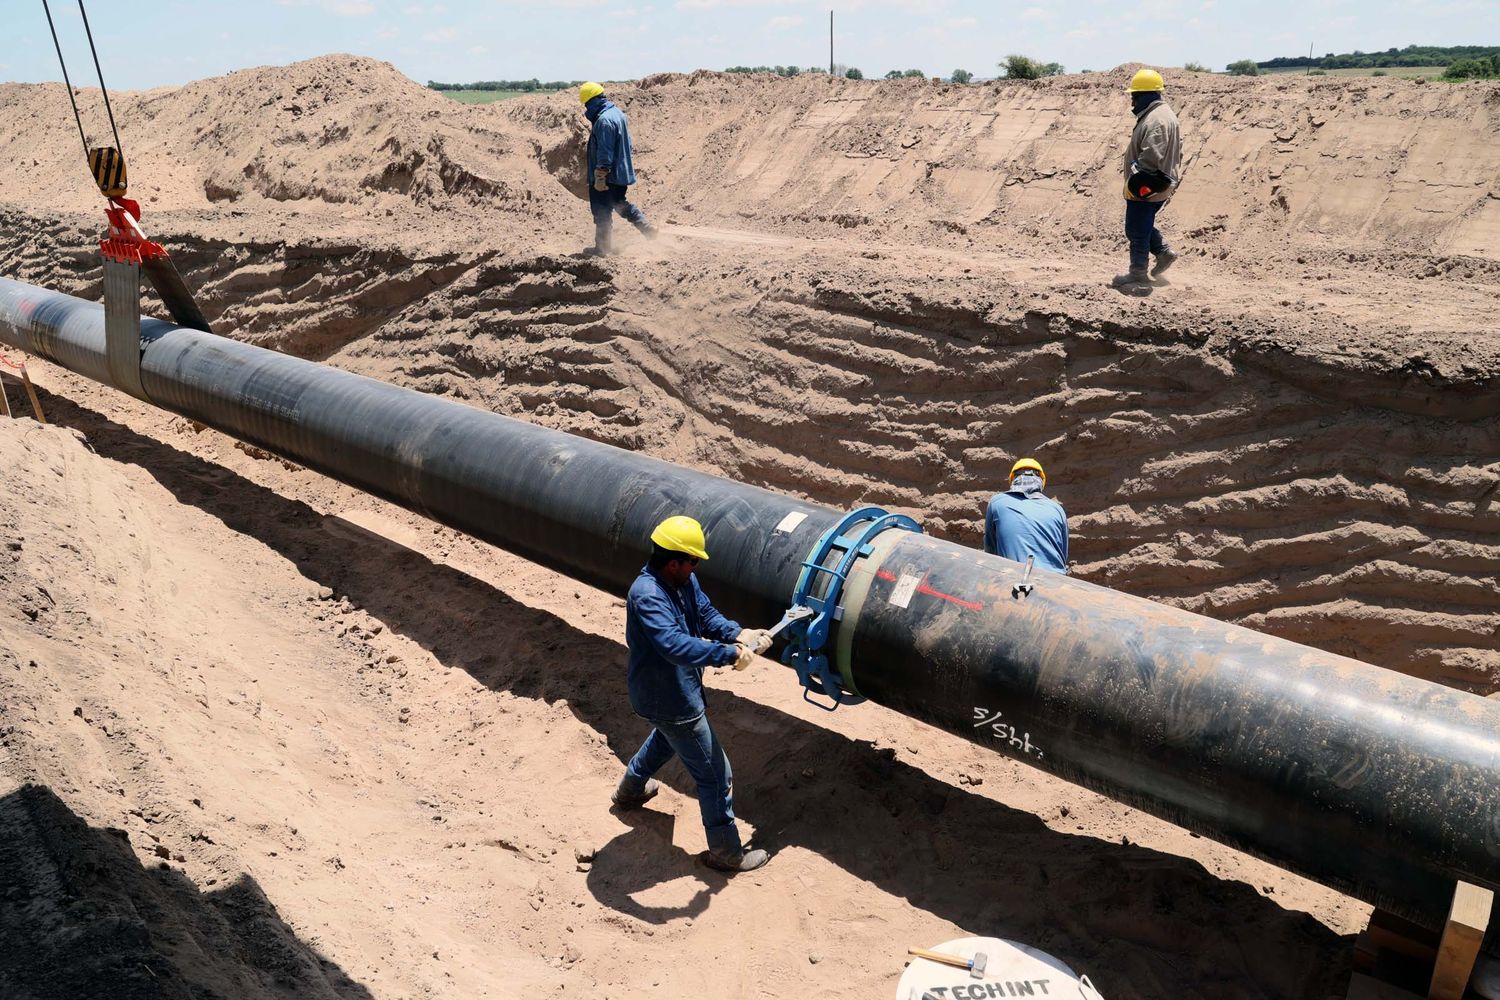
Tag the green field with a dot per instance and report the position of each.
(1396, 71)
(485, 96)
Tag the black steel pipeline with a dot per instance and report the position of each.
(1379, 784)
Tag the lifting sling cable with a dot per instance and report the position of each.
(67, 82)
(105, 162)
(98, 72)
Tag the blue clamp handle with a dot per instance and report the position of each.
(807, 636)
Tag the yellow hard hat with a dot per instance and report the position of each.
(1146, 81)
(1029, 463)
(681, 534)
(591, 90)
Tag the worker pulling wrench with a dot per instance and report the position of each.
(674, 632)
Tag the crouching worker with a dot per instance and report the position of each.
(674, 632)
(1023, 522)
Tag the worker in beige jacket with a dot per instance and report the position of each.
(1153, 169)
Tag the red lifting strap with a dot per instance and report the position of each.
(126, 243)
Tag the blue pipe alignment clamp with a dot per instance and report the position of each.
(807, 634)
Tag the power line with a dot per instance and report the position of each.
(68, 83)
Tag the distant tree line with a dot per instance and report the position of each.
(1479, 68)
(778, 70)
(848, 72)
(527, 86)
(1412, 55)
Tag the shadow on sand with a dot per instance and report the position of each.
(80, 917)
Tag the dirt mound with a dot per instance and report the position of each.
(1386, 164)
(333, 132)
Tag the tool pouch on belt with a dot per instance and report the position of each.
(1145, 183)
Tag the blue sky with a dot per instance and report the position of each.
(169, 42)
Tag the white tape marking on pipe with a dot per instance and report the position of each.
(789, 523)
(905, 587)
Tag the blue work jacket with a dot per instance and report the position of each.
(1017, 526)
(609, 142)
(673, 633)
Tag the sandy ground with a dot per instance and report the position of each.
(265, 736)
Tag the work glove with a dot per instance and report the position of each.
(600, 184)
(745, 656)
(756, 638)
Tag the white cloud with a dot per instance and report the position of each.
(441, 35)
(342, 8)
(785, 21)
(960, 22)
(716, 4)
(478, 50)
(1036, 14)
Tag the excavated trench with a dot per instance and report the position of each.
(1214, 468)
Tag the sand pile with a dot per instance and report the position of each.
(337, 132)
(1385, 164)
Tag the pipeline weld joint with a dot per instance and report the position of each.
(828, 565)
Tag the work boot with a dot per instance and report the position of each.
(1164, 260)
(598, 251)
(627, 798)
(649, 231)
(744, 861)
(1131, 277)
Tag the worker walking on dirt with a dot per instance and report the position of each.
(673, 632)
(1153, 169)
(1024, 522)
(610, 172)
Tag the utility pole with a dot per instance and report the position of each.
(830, 43)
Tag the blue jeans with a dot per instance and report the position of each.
(604, 204)
(694, 741)
(1141, 231)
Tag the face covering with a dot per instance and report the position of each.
(1141, 100)
(1026, 483)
